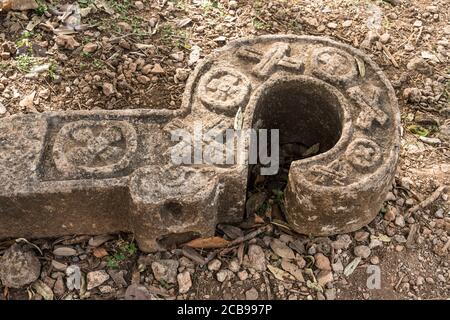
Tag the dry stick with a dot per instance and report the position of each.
(425, 203)
(389, 55)
(269, 292)
(248, 236)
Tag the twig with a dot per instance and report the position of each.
(389, 55)
(269, 291)
(425, 203)
(248, 236)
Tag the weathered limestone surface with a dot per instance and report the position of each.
(105, 171)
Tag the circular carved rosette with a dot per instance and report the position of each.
(91, 147)
(333, 65)
(364, 155)
(224, 90)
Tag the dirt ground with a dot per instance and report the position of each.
(120, 54)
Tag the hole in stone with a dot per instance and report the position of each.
(309, 117)
(171, 209)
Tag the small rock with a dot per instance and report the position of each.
(138, 292)
(66, 41)
(251, 294)
(375, 260)
(324, 277)
(234, 266)
(385, 37)
(19, 267)
(223, 275)
(2, 109)
(106, 289)
(412, 95)
(157, 69)
(332, 25)
(147, 69)
(330, 294)
(233, 4)
(143, 79)
(420, 65)
(281, 249)
(108, 89)
(65, 252)
(165, 270)
(139, 5)
(73, 280)
(96, 278)
(362, 251)
(439, 213)
(59, 288)
(347, 23)
(27, 101)
(342, 242)
(184, 282)
(214, 265)
(361, 236)
(257, 259)
(322, 262)
(417, 24)
(194, 56)
(90, 47)
(390, 214)
(338, 267)
(242, 275)
(293, 270)
(124, 26)
(182, 74)
(400, 221)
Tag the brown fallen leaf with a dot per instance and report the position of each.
(100, 252)
(208, 243)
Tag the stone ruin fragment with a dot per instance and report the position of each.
(96, 172)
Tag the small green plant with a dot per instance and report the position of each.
(258, 24)
(279, 195)
(85, 3)
(24, 63)
(97, 63)
(41, 9)
(123, 250)
(52, 70)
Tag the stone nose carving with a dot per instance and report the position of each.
(97, 172)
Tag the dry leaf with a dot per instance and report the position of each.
(43, 289)
(280, 274)
(208, 243)
(351, 266)
(100, 252)
(361, 67)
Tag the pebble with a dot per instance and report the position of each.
(330, 294)
(96, 278)
(223, 275)
(234, 266)
(375, 260)
(417, 24)
(184, 282)
(90, 47)
(412, 95)
(108, 89)
(19, 267)
(362, 251)
(182, 74)
(242, 275)
(390, 214)
(251, 294)
(361, 236)
(281, 249)
(385, 37)
(214, 265)
(332, 25)
(338, 267)
(73, 280)
(400, 221)
(257, 258)
(324, 277)
(139, 5)
(157, 69)
(165, 270)
(347, 23)
(439, 213)
(342, 242)
(322, 262)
